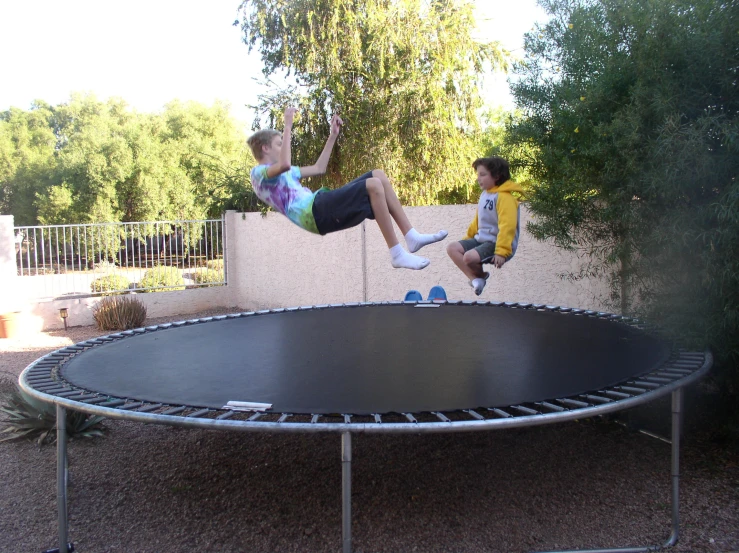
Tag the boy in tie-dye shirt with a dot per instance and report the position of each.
(370, 196)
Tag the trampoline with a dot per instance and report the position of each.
(393, 367)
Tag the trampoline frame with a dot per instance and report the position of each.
(41, 380)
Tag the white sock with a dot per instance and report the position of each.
(479, 284)
(415, 240)
(401, 259)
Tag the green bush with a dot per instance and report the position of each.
(208, 277)
(215, 264)
(119, 313)
(110, 285)
(160, 277)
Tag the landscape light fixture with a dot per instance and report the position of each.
(63, 313)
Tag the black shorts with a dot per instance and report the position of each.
(344, 207)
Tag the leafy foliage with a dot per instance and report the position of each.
(208, 276)
(119, 313)
(27, 419)
(87, 161)
(632, 108)
(162, 277)
(403, 74)
(109, 284)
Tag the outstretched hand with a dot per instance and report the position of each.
(336, 123)
(498, 261)
(289, 116)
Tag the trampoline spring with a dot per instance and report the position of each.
(658, 379)
(132, 405)
(378, 418)
(226, 415)
(96, 400)
(441, 416)
(83, 397)
(314, 418)
(347, 419)
(551, 406)
(645, 384)
(255, 416)
(692, 355)
(525, 410)
(54, 389)
(149, 408)
(67, 392)
(500, 413)
(598, 399)
(114, 403)
(684, 366)
(474, 414)
(39, 380)
(632, 390)
(410, 417)
(282, 418)
(200, 413)
(574, 403)
(619, 395)
(173, 411)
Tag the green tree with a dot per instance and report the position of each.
(27, 146)
(632, 108)
(403, 74)
(88, 161)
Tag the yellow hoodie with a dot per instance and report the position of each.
(497, 219)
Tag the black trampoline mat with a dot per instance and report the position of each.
(371, 359)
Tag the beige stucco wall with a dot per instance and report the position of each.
(272, 263)
(276, 264)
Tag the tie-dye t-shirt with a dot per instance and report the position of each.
(285, 194)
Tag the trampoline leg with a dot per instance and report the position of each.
(346, 489)
(61, 476)
(677, 408)
(677, 421)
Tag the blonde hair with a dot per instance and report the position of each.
(259, 139)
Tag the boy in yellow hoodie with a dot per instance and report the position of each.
(493, 235)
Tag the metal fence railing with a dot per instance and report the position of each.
(106, 258)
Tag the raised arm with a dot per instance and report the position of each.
(284, 158)
(319, 167)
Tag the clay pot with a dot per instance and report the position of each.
(10, 324)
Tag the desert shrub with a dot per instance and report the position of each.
(215, 264)
(119, 313)
(208, 277)
(109, 285)
(160, 277)
(30, 419)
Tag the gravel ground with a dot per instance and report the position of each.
(160, 489)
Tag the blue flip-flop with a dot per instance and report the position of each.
(437, 293)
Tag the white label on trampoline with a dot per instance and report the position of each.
(427, 305)
(247, 406)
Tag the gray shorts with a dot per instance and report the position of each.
(486, 250)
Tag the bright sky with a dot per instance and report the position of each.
(149, 52)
